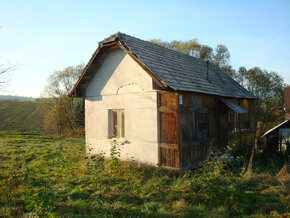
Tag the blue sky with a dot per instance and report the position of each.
(44, 36)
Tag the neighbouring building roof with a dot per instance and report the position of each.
(274, 128)
(175, 70)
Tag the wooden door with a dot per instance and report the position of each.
(168, 130)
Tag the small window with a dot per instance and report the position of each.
(233, 119)
(202, 126)
(116, 124)
(238, 122)
(180, 99)
(245, 121)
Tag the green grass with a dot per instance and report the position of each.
(52, 176)
(22, 115)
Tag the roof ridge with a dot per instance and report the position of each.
(179, 70)
(180, 53)
(115, 35)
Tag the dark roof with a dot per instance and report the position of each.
(234, 106)
(179, 71)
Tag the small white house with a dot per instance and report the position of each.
(133, 93)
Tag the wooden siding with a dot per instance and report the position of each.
(185, 139)
(192, 148)
(194, 153)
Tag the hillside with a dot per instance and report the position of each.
(22, 115)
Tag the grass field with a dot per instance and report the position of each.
(52, 176)
(25, 115)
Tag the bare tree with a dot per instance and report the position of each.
(60, 82)
(4, 74)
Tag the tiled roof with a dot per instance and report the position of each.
(179, 71)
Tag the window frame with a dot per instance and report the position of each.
(116, 123)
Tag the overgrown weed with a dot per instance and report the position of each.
(53, 176)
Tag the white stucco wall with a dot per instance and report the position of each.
(120, 83)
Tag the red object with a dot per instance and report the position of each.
(287, 102)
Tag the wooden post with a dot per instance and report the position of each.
(159, 128)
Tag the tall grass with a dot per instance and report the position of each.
(53, 176)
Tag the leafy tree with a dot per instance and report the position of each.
(269, 112)
(65, 113)
(261, 83)
(221, 56)
(205, 52)
(268, 87)
(78, 113)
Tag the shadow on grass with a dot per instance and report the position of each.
(86, 209)
(259, 193)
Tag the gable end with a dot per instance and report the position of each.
(97, 59)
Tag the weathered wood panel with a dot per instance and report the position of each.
(168, 128)
(169, 99)
(198, 101)
(169, 140)
(187, 127)
(195, 153)
(194, 106)
(242, 139)
(213, 124)
(181, 124)
(170, 156)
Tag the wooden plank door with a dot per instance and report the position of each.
(168, 130)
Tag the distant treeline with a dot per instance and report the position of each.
(15, 97)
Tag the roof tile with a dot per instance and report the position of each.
(180, 71)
